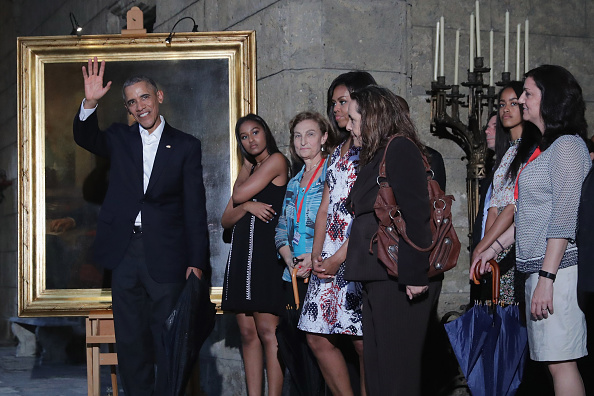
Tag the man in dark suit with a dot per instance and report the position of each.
(151, 230)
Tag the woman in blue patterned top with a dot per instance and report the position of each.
(547, 197)
(310, 136)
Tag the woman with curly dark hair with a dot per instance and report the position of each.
(396, 311)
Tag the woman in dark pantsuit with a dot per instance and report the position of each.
(396, 311)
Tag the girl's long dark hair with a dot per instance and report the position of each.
(503, 135)
(562, 106)
(271, 146)
(530, 137)
(490, 158)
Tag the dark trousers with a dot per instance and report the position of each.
(140, 307)
(394, 330)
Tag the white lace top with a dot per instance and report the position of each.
(503, 188)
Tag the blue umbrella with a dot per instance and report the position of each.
(490, 344)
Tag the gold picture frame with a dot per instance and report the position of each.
(209, 80)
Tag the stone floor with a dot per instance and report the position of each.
(27, 376)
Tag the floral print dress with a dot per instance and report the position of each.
(333, 306)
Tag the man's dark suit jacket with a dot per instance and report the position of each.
(173, 208)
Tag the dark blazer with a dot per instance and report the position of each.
(437, 166)
(406, 175)
(477, 228)
(173, 208)
(585, 235)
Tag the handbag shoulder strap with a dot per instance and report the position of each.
(401, 224)
(382, 167)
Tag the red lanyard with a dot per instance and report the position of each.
(307, 188)
(535, 154)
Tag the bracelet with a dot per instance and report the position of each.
(496, 252)
(547, 275)
(499, 243)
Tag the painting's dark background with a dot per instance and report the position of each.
(196, 101)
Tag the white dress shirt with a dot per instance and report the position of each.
(150, 144)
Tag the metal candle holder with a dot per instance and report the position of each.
(469, 135)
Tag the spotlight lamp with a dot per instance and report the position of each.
(170, 37)
(76, 28)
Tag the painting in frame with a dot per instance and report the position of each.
(208, 80)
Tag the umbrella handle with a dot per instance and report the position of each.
(295, 290)
(476, 276)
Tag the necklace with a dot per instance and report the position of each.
(313, 166)
(260, 163)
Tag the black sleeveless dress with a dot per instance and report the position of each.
(253, 276)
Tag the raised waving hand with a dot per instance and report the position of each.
(93, 76)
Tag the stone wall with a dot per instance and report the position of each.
(8, 162)
(561, 32)
(301, 46)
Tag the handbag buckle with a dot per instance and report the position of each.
(398, 214)
(444, 204)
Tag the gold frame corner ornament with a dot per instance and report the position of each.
(239, 48)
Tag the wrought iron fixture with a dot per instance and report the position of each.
(446, 123)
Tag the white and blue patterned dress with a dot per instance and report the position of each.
(333, 306)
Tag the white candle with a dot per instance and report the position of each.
(506, 68)
(471, 45)
(518, 53)
(526, 68)
(457, 53)
(441, 46)
(436, 52)
(478, 30)
(491, 58)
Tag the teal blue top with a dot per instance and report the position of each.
(287, 222)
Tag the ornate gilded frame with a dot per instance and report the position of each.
(35, 55)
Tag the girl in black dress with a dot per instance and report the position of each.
(253, 276)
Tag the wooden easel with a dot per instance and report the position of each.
(100, 330)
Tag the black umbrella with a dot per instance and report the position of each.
(490, 344)
(186, 329)
(306, 377)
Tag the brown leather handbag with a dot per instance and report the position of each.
(445, 245)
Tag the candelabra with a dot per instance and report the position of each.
(469, 136)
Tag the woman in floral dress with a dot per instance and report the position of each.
(332, 305)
